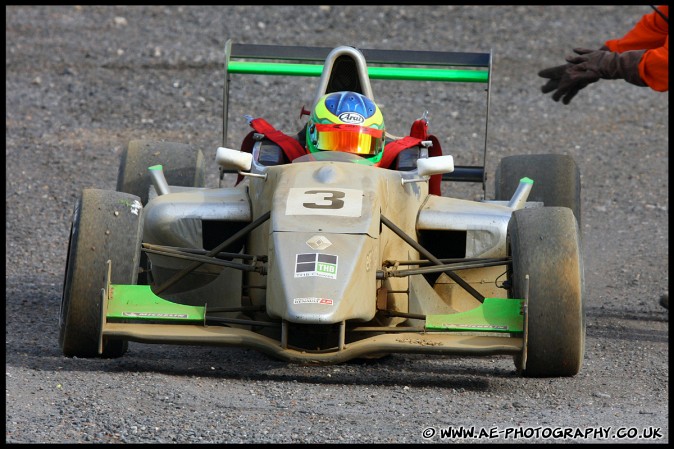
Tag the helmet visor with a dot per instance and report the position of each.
(349, 138)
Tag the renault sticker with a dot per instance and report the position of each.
(318, 242)
(313, 300)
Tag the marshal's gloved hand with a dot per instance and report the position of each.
(588, 67)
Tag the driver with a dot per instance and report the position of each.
(348, 122)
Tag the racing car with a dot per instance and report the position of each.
(322, 256)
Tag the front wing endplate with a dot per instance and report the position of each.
(138, 303)
(494, 315)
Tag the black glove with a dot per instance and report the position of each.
(609, 65)
(589, 67)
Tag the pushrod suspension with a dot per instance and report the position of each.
(423, 251)
(196, 264)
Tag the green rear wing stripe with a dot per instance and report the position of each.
(388, 73)
(476, 64)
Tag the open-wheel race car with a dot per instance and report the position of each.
(338, 243)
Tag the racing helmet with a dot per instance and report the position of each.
(348, 122)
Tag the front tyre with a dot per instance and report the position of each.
(106, 226)
(544, 243)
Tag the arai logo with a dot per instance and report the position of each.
(351, 117)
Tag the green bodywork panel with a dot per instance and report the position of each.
(494, 315)
(138, 303)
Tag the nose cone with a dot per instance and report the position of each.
(334, 282)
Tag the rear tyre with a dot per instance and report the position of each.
(544, 243)
(183, 165)
(556, 179)
(106, 226)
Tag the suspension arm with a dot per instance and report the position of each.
(423, 251)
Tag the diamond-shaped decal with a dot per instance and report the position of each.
(318, 242)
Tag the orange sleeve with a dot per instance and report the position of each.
(654, 68)
(651, 33)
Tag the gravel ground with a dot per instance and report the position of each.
(81, 81)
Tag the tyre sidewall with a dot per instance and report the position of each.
(544, 243)
(104, 228)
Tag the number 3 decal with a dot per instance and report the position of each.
(340, 202)
(329, 199)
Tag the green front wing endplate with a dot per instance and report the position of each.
(137, 303)
(494, 315)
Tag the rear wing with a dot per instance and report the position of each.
(345, 68)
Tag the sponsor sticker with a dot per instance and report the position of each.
(154, 315)
(135, 207)
(313, 300)
(318, 242)
(474, 326)
(351, 118)
(316, 264)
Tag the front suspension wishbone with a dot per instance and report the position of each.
(423, 251)
(196, 264)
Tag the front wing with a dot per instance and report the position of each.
(135, 313)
